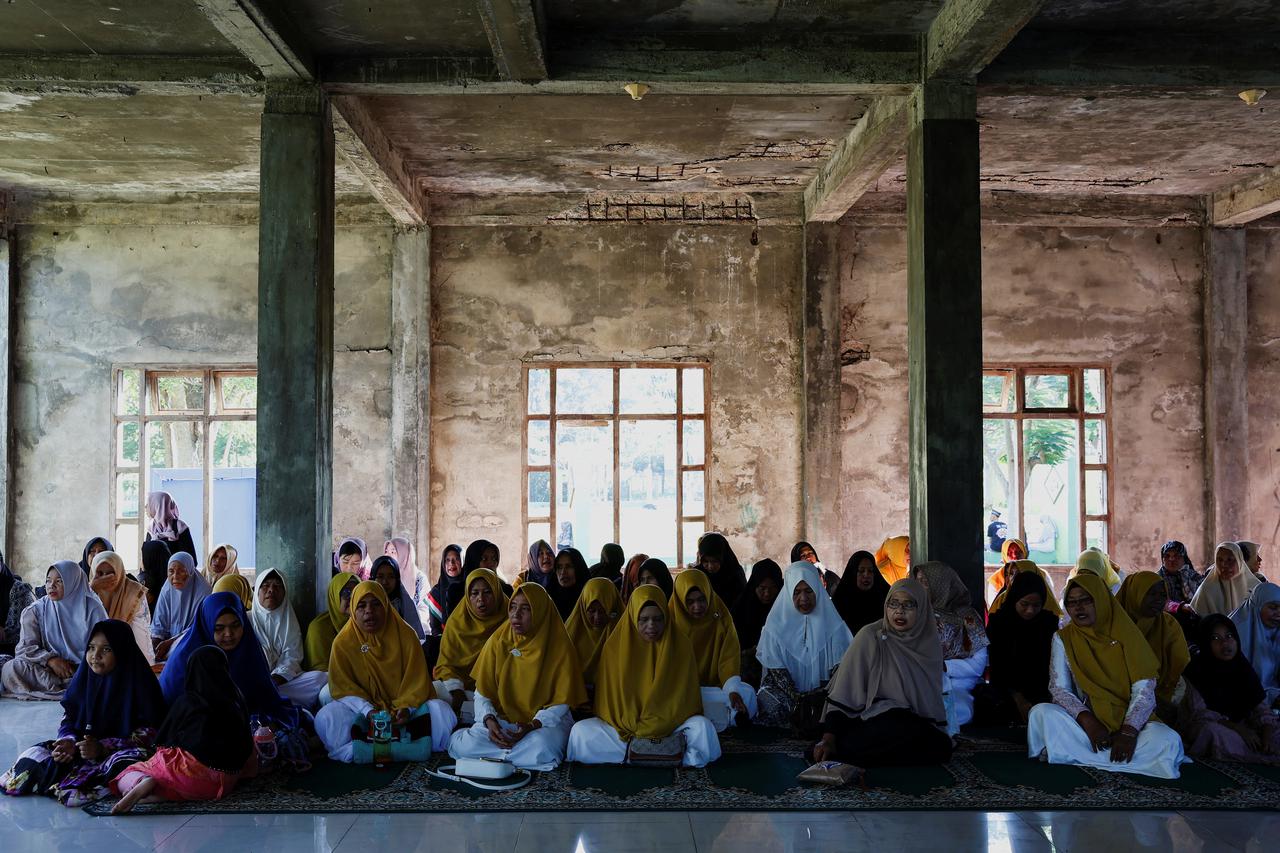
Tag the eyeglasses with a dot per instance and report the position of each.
(901, 606)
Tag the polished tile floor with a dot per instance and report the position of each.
(33, 824)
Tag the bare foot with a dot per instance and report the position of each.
(131, 799)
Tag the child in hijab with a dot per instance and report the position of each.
(111, 712)
(178, 604)
(884, 705)
(55, 632)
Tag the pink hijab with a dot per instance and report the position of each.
(163, 512)
(408, 561)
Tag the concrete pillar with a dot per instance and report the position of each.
(295, 339)
(8, 292)
(821, 518)
(1226, 375)
(944, 331)
(410, 390)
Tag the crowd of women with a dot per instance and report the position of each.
(622, 662)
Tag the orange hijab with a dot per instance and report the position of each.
(893, 559)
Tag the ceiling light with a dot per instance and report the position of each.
(638, 90)
(1252, 96)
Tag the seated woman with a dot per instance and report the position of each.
(570, 576)
(178, 604)
(484, 610)
(239, 586)
(277, 629)
(859, 599)
(1093, 561)
(1227, 585)
(805, 551)
(1181, 580)
(1009, 572)
(447, 592)
(652, 572)
(1258, 621)
(124, 599)
(593, 619)
(963, 637)
(1224, 714)
(528, 677)
(893, 558)
(377, 665)
(386, 571)
(352, 557)
(751, 611)
(16, 595)
(1021, 639)
(412, 578)
(203, 748)
(1102, 677)
(884, 705)
(1143, 597)
(1252, 553)
(223, 561)
(647, 687)
(612, 559)
(699, 614)
(324, 629)
(92, 549)
(55, 633)
(111, 712)
(718, 562)
(539, 568)
(223, 623)
(800, 647)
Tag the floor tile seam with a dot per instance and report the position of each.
(169, 835)
(1194, 822)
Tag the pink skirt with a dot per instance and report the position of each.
(181, 777)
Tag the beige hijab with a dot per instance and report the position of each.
(884, 669)
(1218, 596)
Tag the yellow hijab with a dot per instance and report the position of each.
(588, 641)
(647, 689)
(1020, 566)
(238, 584)
(1162, 631)
(713, 637)
(466, 633)
(1109, 657)
(386, 668)
(1097, 563)
(324, 629)
(891, 559)
(523, 675)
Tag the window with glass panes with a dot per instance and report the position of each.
(617, 453)
(191, 432)
(1046, 458)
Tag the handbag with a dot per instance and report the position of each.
(657, 752)
(806, 718)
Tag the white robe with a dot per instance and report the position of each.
(541, 749)
(444, 692)
(958, 681)
(594, 741)
(717, 708)
(333, 724)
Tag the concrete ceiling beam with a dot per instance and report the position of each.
(516, 35)
(967, 35)
(263, 32)
(1247, 200)
(157, 209)
(874, 143)
(360, 141)
(152, 75)
(1050, 210)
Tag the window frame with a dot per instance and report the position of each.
(213, 413)
(615, 419)
(1076, 411)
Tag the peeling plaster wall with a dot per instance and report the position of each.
(1127, 297)
(501, 295)
(1264, 404)
(90, 298)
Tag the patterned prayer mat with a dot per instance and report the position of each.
(989, 770)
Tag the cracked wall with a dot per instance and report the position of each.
(90, 298)
(1263, 261)
(614, 292)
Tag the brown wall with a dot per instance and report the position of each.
(1264, 395)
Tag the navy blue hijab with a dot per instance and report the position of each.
(119, 703)
(247, 661)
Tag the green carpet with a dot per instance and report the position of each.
(757, 772)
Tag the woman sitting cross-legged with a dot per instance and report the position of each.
(527, 680)
(963, 637)
(377, 665)
(800, 647)
(700, 615)
(277, 629)
(1224, 713)
(483, 611)
(55, 632)
(204, 746)
(884, 704)
(1021, 634)
(594, 617)
(111, 712)
(178, 604)
(647, 687)
(1143, 597)
(1102, 677)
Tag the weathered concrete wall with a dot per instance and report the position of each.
(502, 295)
(1263, 257)
(90, 298)
(1127, 297)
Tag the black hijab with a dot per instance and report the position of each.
(448, 591)
(565, 597)
(731, 580)
(1231, 687)
(749, 612)
(797, 548)
(855, 606)
(119, 703)
(155, 564)
(84, 555)
(660, 573)
(7, 580)
(612, 559)
(1020, 648)
(210, 720)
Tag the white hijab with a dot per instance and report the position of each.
(65, 624)
(1218, 596)
(806, 646)
(278, 630)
